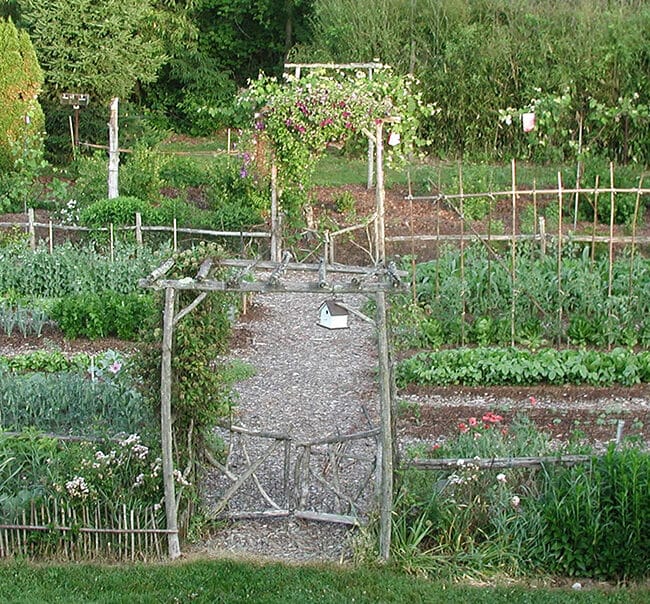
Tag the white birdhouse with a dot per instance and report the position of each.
(332, 315)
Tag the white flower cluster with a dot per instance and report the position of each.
(180, 479)
(77, 487)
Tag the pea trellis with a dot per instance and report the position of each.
(377, 282)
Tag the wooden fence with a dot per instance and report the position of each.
(31, 225)
(56, 529)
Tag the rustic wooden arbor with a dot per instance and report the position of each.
(377, 282)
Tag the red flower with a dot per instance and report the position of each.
(492, 418)
(463, 428)
(533, 400)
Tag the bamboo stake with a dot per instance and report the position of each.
(112, 241)
(31, 229)
(175, 235)
(610, 275)
(463, 301)
(559, 257)
(594, 226)
(138, 229)
(50, 237)
(636, 217)
(513, 253)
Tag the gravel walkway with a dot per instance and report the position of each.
(310, 382)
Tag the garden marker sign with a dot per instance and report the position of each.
(377, 281)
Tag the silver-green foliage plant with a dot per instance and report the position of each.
(26, 320)
(72, 403)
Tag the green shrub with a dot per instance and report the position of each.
(118, 211)
(21, 78)
(182, 172)
(103, 314)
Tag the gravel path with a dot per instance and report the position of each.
(310, 382)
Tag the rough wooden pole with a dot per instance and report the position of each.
(166, 424)
(386, 482)
(612, 212)
(113, 152)
(276, 236)
(31, 228)
(463, 301)
(138, 229)
(380, 196)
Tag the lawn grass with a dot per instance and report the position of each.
(228, 581)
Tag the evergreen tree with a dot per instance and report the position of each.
(21, 78)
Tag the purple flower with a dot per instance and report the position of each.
(259, 125)
(243, 172)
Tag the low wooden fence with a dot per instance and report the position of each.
(31, 226)
(56, 529)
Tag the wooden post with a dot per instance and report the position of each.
(175, 234)
(166, 424)
(386, 469)
(113, 152)
(111, 236)
(380, 196)
(31, 228)
(138, 229)
(276, 235)
(51, 236)
(371, 164)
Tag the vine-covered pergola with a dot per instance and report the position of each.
(319, 104)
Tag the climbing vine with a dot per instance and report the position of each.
(298, 117)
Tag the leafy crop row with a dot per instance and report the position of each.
(478, 301)
(73, 269)
(511, 366)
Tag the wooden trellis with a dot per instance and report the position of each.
(377, 281)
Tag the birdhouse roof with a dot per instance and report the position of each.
(334, 309)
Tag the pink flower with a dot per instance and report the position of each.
(515, 501)
(472, 421)
(115, 367)
(462, 427)
(533, 400)
(492, 418)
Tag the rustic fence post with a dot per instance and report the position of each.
(138, 229)
(386, 469)
(113, 151)
(31, 228)
(166, 425)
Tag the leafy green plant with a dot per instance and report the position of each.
(500, 366)
(103, 314)
(609, 497)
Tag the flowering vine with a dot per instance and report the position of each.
(298, 117)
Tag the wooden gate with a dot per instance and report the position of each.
(268, 474)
